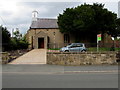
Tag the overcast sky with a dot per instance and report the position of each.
(18, 13)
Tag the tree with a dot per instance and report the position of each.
(117, 27)
(87, 20)
(23, 44)
(105, 20)
(13, 43)
(5, 38)
(18, 42)
(17, 34)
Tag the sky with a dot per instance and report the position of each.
(18, 13)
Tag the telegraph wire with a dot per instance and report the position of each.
(10, 27)
(6, 25)
(3, 20)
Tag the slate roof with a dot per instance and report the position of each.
(44, 23)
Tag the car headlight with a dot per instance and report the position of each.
(62, 49)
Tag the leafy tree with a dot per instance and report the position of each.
(117, 27)
(17, 34)
(23, 44)
(105, 21)
(13, 43)
(65, 21)
(87, 20)
(5, 38)
(18, 41)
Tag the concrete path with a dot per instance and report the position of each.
(36, 56)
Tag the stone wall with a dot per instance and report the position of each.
(118, 56)
(88, 58)
(4, 57)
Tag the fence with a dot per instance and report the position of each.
(55, 47)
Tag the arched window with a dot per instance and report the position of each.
(66, 38)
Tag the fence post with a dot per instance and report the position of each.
(118, 56)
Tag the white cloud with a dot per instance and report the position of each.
(17, 13)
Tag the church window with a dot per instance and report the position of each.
(66, 38)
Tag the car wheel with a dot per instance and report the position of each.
(66, 51)
(83, 51)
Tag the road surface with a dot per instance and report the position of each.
(53, 76)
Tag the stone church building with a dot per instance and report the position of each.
(44, 33)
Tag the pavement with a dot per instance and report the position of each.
(44, 68)
(55, 76)
(35, 56)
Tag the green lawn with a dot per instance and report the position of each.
(102, 49)
(54, 49)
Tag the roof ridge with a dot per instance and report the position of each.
(47, 19)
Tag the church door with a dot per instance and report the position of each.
(40, 42)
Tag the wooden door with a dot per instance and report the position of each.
(40, 42)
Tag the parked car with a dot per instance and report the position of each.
(74, 47)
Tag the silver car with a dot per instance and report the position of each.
(74, 47)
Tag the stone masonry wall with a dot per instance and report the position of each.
(4, 57)
(81, 58)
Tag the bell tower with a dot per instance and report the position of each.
(34, 15)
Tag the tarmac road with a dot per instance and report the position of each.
(53, 76)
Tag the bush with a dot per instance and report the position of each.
(23, 44)
(17, 44)
(13, 44)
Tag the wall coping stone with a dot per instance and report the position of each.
(110, 52)
(3, 52)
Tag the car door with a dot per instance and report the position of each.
(80, 47)
(77, 48)
(72, 48)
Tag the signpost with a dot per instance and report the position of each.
(98, 39)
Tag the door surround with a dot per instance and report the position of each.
(43, 36)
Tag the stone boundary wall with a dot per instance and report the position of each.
(118, 56)
(4, 57)
(88, 58)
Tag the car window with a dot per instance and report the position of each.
(79, 45)
(76, 45)
(72, 46)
